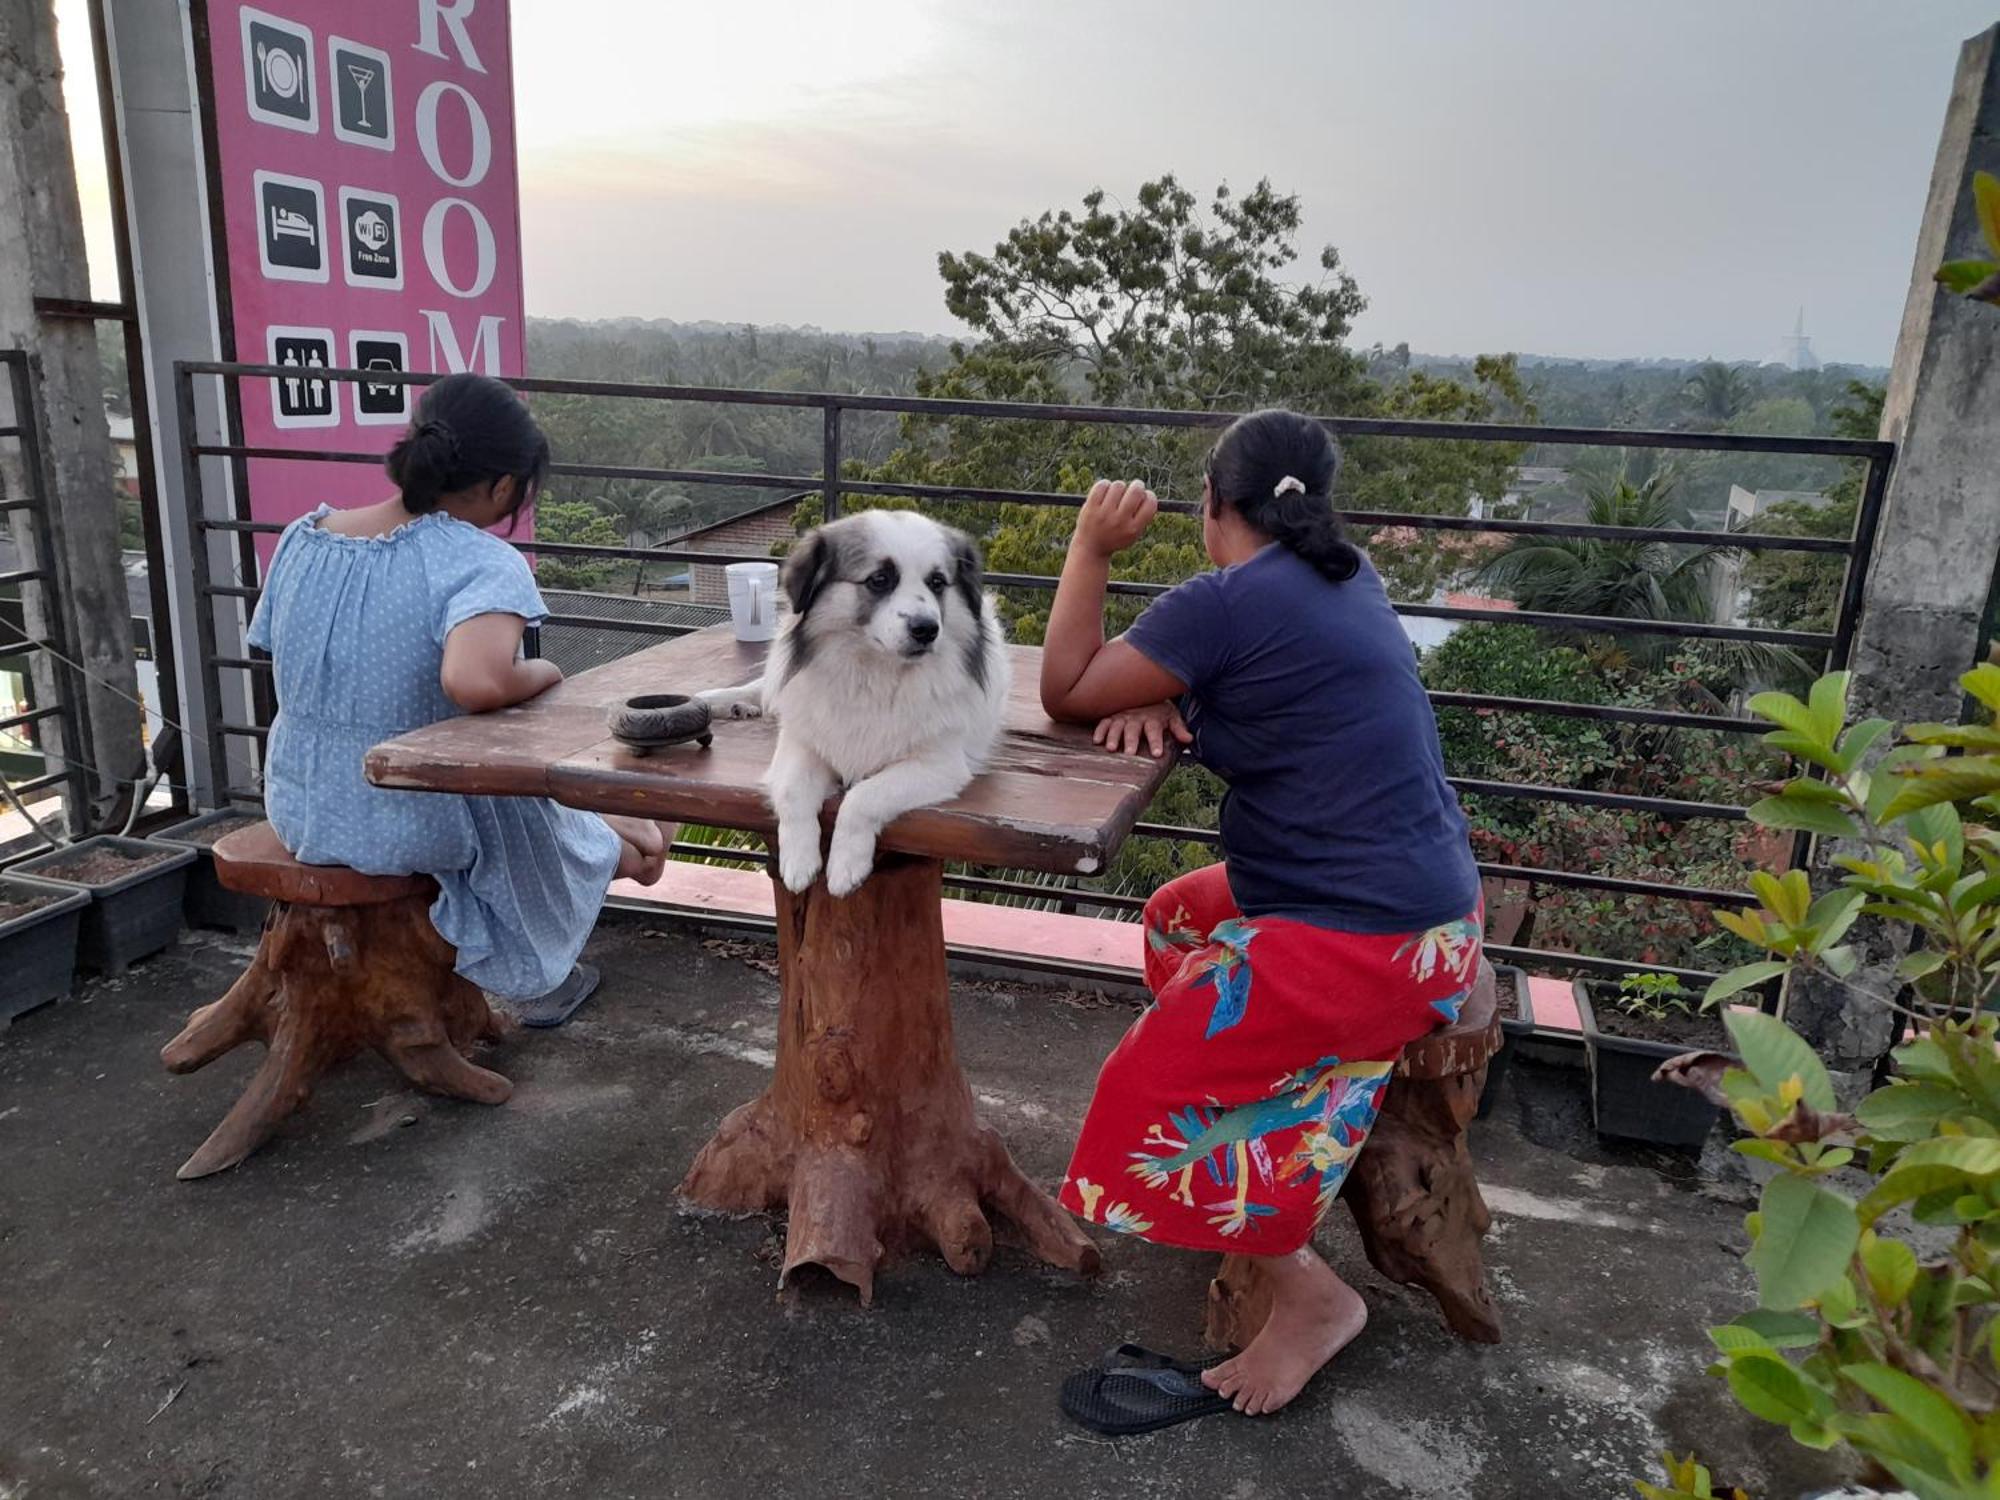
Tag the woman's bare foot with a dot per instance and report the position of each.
(643, 855)
(1314, 1315)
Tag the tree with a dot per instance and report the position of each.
(1637, 580)
(579, 524)
(1168, 305)
(1715, 393)
(1801, 590)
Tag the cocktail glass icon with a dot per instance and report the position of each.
(363, 76)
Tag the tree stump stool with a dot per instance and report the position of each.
(867, 1135)
(1411, 1190)
(348, 962)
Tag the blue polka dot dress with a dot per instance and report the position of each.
(356, 629)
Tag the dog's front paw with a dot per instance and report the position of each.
(798, 861)
(741, 710)
(850, 864)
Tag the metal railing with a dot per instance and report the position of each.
(1831, 649)
(35, 526)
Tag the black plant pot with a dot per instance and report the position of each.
(38, 948)
(206, 903)
(129, 917)
(1512, 1029)
(1624, 1100)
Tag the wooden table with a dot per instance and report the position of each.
(867, 1133)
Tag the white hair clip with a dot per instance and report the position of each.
(1289, 485)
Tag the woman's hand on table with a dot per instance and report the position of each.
(1115, 514)
(1150, 731)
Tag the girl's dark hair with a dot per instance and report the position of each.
(1278, 468)
(468, 428)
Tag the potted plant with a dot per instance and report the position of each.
(38, 925)
(135, 890)
(1631, 1026)
(207, 903)
(1517, 1020)
(1866, 1338)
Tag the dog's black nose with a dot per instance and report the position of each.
(924, 630)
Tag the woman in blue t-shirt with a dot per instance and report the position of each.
(1344, 921)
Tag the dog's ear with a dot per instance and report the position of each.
(968, 572)
(808, 569)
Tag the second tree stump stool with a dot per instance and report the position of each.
(1411, 1190)
(348, 963)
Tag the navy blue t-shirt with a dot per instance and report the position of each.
(1303, 696)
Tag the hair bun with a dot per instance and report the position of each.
(440, 433)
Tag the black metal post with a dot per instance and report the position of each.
(829, 462)
(204, 595)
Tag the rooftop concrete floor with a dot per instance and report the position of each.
(508, 1301)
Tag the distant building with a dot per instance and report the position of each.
(750, 533)
(1728, 597)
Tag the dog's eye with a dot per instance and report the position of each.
(881, 580)
(936, 582)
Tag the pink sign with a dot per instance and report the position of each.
(366, 172)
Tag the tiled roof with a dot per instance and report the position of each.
(577, 648)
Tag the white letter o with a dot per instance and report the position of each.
(427, 134)
(489, 259)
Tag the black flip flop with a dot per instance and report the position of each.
(1134, 1389)
(560, 1003)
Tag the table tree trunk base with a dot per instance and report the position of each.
(328, 982)
(867, 1133)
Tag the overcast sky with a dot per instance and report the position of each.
(1579, 177)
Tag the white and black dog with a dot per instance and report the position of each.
(888, 679)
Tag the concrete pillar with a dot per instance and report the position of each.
(1940, 533)
(167, 209)
(42, 254)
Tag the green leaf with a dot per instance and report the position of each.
(1783, 709)
(1957, 736)
(1961, 276)
(1986, 198)
(1970, 1155)
(1983, 681)
(1904, 1112)
(1828, 706)
(1740, 979)
(1809, 1237)
(1795, 816)
(1892, 1269)
(1923, 961)
(1782, 1330)
(1767, 1387)
(1859, 740)
(1832, 915)
(1933, 782)
(1934, 1416)
(1734, 1338)
(1772, 1053)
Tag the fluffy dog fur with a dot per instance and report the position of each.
(889, 679)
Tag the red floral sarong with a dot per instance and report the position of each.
(1227, 1116)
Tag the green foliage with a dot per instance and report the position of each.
(1801, 590)
(1862, 1340)
(1686, 1477)
(1979, 279)
(578, 524)
(1653, 997)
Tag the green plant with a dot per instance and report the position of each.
(1688, 1478)
(1979, 279)
(1653, 997)
(1861, 1339)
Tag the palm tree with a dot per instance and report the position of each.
(1632, 580)
(1716, 393)
(1637, 580)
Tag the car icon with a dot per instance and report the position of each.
(286, 222)
(375, 388)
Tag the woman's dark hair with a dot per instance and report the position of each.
(1278, 469)
(468, 429)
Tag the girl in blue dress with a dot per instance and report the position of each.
(387, 618)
